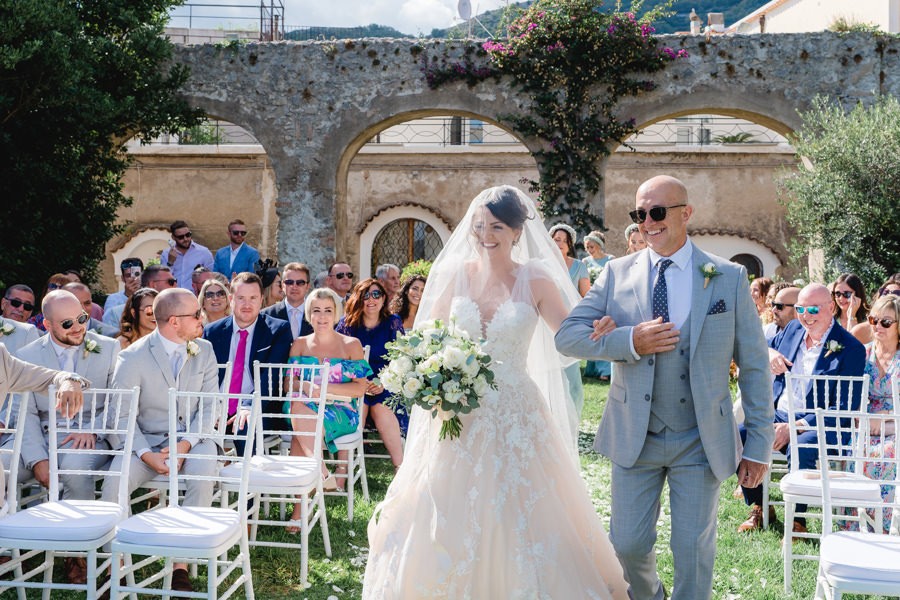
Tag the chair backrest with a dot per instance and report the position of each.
(293, 385)
(12, 413)
(868, 433)
(101, 416)
(831, 392)
(205, 409)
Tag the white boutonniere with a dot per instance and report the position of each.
(833, 347)
(90, 347)
(708, 271)
(7, 328)
(193, 349)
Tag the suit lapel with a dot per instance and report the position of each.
(262, 337)
(48, 353)
(700, 297)
(822, 361)
(158, 352)
(642, 267)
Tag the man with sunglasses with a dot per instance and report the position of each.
(17, 303)
(680, 316)
(237, 256)
(68, 346)
(295, 282)
(184, 254)
(173, 356)
(782, 306)
(803, 349)
(340, 279)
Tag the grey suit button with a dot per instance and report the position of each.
(681, 352)
(647, 397)
(683, 376)
(650, 362)
(683, 400)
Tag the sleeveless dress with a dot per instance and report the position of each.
(499, 512)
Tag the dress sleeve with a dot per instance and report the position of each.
(355, 369)
(342, 327)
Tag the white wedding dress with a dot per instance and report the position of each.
(500, 512)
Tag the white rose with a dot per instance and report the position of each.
(480, 386)
(471, 367)
(454, 358)
(401, 366)
(411, 387)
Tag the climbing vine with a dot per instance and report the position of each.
(576, 62)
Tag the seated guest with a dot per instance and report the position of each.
(268, 274)
(55, 282)
(14, 335)
(246, 337)
(865, 332)
(633, 239)
(215, 301)
(347, 377)
(295, 283)
(172, 356)
(367, 318)
(389, 276)
(18, 303)
(339, 279)
(802, 349)
(850, 305)
(96, 311)
(130, 270)
(199, 275)
(406, 304)
(83, 293)
(158, 277)
(781, 299)
(137, 317)
(71, 347)
(237, 256)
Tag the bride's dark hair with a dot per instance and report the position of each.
(505, 204)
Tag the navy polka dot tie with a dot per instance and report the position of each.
(661, 292)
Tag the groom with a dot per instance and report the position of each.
(681, 316)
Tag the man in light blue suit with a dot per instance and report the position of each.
(236, 257)
(680, 317)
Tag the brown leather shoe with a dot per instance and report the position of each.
(755, 521)
(798, 528)
(181, 582)
(76, 570)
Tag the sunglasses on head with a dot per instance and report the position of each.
(892, 292)
(810, 310)
(838, 294)
(28, 306)
(195, 315)
(885, 322)
(342, 275)
(82, 319)
(127, 264)
(182, 236)
(296, 281)
(374, 295)
(779, 305)
(208, 294)
(657, 213)
(238, 232)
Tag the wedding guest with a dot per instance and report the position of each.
(18, 303)
(237, 256)
(215, 301)
(55, 282)
(564, 236)
(339, 279)
(199, 276)
(14, 335)
(389, 276)
(83, 293)
(759, 288)
(865, 332)
(273, 292)
(155, 276)
(782, 298)
(96, 310)
(850, 305)
(130, 270)
(348, 377)
(295, 282)
(634, 239)
(595, 244)
(406, 304)
(137, 317)
(184, 254)
(368, 319)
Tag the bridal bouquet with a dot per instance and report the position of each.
(439, 368)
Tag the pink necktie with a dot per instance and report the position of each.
(237, 371)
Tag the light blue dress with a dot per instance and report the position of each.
(597, 368)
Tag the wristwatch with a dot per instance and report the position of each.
(85, 384)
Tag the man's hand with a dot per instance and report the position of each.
(156, 461)
(41, 471)
(132, 285)
(81, 440)
(184, 447)
(782, 436)
(242, 416)
(750, 474)
(602, 327)
(778, 363)
(69, 398)
(651, 337)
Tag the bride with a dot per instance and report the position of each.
(501, 511)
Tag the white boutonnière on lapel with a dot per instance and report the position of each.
(90, 347)
(7, 329)
(833, 347)
(193, 348)
(708, 271)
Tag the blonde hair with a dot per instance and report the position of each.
(324, 294)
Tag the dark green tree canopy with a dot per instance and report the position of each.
(77, 79)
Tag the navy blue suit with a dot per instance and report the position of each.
(279, 311)
(849, 361)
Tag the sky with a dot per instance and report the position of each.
(408, 16)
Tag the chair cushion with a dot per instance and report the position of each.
(277, 471)
(346, 441)
(75, 520)
(844, 486)
(180, 526)
(861, 555)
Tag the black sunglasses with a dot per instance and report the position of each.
(779, 305)
(196, 315)
(892, 292)
(374, 295)
(182, 236)
(208, 294)
(885, 322)
(238, 232)
(342, 275)
(657, 213)
(17, 303)
(838, 294)
(171, 281)
(294, 281)
(82, 319)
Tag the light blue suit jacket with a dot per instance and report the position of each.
(718, 334)
(245, 261)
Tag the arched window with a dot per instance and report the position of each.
(403, 241)
(750, 262)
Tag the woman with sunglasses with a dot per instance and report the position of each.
(863, 331)
(850, 306)
(367, 318)
(406, 304)
(137, 317)
(882, 367)
(215, 301)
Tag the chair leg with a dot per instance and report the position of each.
(765, 498)
(350, 481)
(246, 570)
(49, 557)
(323, 524)
(787, 544)
(304, 538)
(212, 576)
(362, 475)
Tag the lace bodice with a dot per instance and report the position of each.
(503, 334)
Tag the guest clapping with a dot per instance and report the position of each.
(564, 236)
(406, 304)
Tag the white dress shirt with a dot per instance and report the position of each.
(184, 264)
(234, 253)
(247, 380)
(804, 363)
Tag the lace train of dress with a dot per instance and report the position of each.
(501, 511)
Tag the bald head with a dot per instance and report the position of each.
(64, 318)
(814, 297)
(171, 302)
(60, 302)
(671, 187)
(82, 292)
(177, 313)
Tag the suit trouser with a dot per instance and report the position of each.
(74, 487)
(197, 493)
(676, 457)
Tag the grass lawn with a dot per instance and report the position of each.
(747, 566)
